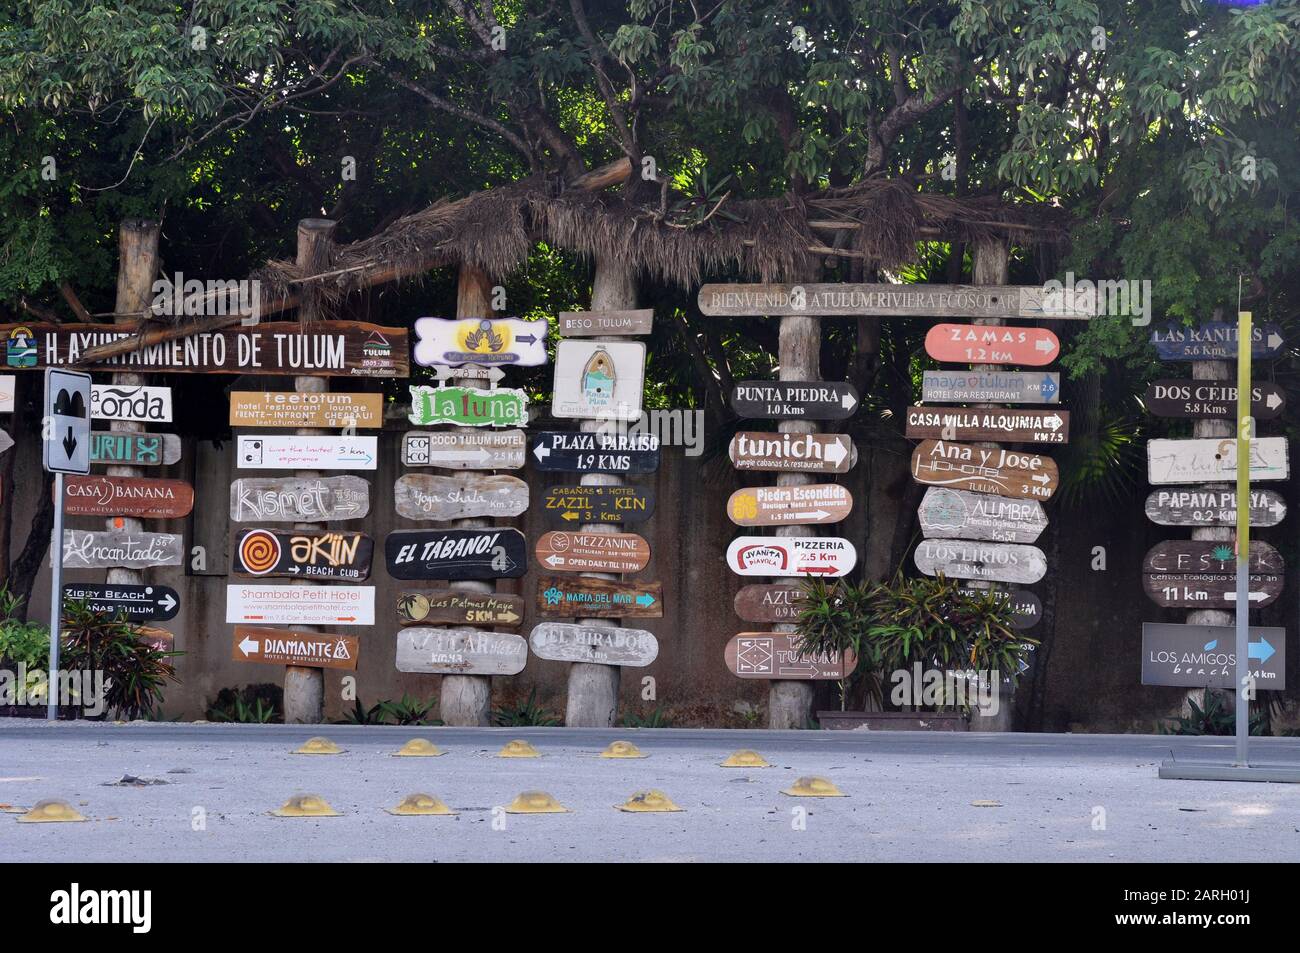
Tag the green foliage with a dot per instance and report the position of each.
(135, 673)
(26, 643)
(408, 711)
(658, 718)
(1215, 715)
(359, 714)
(258, 711)
(525, 714)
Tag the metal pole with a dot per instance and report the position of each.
(1244, 427)
(56, 602)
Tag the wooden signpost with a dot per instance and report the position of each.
(1026, 608)
(946, 513)
(775, 602)
(287, 647)
(127, 496)
(327, 409)
(891, 300)
(789, 505)
(792, 452)
(992, 344)
(496, 553)
(299, 499)
(422, 496)
(112, 447)
(425, 606)
(590, 597)
(301, 554)
(985, 423)
(266, 603)
(485, 341)
(1208, 506)
(1193, 590)
(1208, 556)
(575, 324)
(135, 603)
(460, 651)
(1206, 398)
(468, 406)
(598, 380)
(774, 655)
(1204, 656)
(1214, 460)
(794, 400)
(791, 556)
(456, 450)
(91, 550)
(294, 452)
(599, 504)
(1214, 341)
(597, 452)
(602, 644)
(562, 551)
(1011, 473)
(1005, 387)
(970, 559)
(149, 405)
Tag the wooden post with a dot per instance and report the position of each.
(304, 688)
(593, 688)
(467, 699)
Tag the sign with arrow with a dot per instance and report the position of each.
(792, 452)
(301, 554)
(127, 496)
(1201, 398)
(134, 449)
(476, 450)
(131, 602)
(970, 559)
(460, 651)
(67, 408)
(1204, 656)
(789, 505)
(577, 505)
(286, 647)
(423, 496)
(775, 602)
(484, 341)
(468, 406)
(1188, 590)
(497, 553)
(791, 556)
(1214, 460)
(991, 344)
(598, 380)
(265, 603)
(1205, 506)
(794, 400)
(1003, 387)
(980, 423)
(894, 300)
(774, 655)
(962, 466)
(425, 606)
(575, 324)
(602, 644)
(292, 452)
(635, 451)
(562, 551)
(1215, 341)
(584, 597)
(946, 513)
(299, 499)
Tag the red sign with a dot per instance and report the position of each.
(991, 344)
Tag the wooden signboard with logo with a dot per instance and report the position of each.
(422, 496)
(792, 452)
(329, 410)
(585, 597)
(276, 452)
(980, 423)
(477, 450)
(562, 551)
(631, 452)
(460, 651)
(775, 602)
(1003, 387)
(574, 324)
(468, 406)
(791, 556)
(495, 553)
(577, 504)
(992, 344)
(299, 499)
(1192, 590)
(1214, 460)
(108, 447)
(135, 603)
(1204, 398)
(149, 405)
(774, 655)
(430, 606)
(1204, 506)
(1201, 555)
(960, 466)
(891, 300)
(1026, 608)
(605, 645)
(1215, 341)
(971, 559)
(482, 341)
(789, 505)
(598, 380)
(92, 550)
(301, 554)
(960, 514)
(794, 400)
(287, 647)
(126, 496)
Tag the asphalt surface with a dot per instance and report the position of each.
(911, 796)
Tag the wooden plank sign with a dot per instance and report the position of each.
(1215, 341)
(776, 602)
(794, 400)
(1204, 656)
(131, 602)
(265, 603)
(1203, 555)
(1193, 398)
(126, 496)
(424, 606)
(91, 550)
(575, 324)
(773, 655)
(947, 514)
(485, 341)
(1004, 387)
(456, 554)
(301, 554)
(599, 380)
(135, 449)
(598, 598)
(422, 496)
(304, 649)
(468, 406)
(561, 551)
(299, 499)
(792, 452)
(599, 504)
(969, 559)
(150, 405)
(960, 466)
(1203, 506)
(606, 645)
(791, 556)
(990, 344)
(329, 409)
(460, 651)
(979, 423)
(601, 452)
(789, 505)
(271, 452)
(476, 450)
(1214, 460)
(893, 300)
(1026, 608)
(1186, 590)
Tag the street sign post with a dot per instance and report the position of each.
(962, 466)
(135, 603)
(791, 556)
(484, 341)
(792, 452)
(773, 655)
(789, 505)
(987, 423)
(577, 504)
(287, 647)
(991, 344)
(1004, 387)
(794, 400)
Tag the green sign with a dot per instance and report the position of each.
(468, 406)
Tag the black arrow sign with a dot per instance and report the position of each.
(69, 444)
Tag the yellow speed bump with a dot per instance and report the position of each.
(648, 802)
(518, 749)
(745, 758)
(318, 745)
(813, 787)
(419, 748)
(622, 749)
(51, 812)
(421, 804)
(306, 805)
(536, 802)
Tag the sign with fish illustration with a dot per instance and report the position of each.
(599, 380)
(487, 341)
(469, 406)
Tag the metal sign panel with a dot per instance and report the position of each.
(67, 408)
(1003, 387)
(133, 602)
(599, 380)
(1214, 341)
(1204, 656)
(150, 405)
(274, 452)
(264, 603)
(794, 400)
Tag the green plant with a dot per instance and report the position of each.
(361, 715)
(409, 711)
(655, 719)
(833, 619)
(26, 643)
(1215, 715)
(524, 715)
(135, 671)
(257, 712)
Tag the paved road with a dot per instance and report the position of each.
(910, 796)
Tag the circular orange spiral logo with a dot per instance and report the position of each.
(259, 551)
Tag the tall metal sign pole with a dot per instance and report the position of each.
(1245, 426)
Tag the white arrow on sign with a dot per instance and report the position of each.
(248, 646)
(1055, 422)
(1275, 340)
(541, 452)
(555, 560)
(835, 452)
(1042, 478)
(814, 515)
(168, 602)
(848, 401)
(1043, 344)
(1273, 401)
(1251, 597)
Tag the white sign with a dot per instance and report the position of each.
(6, 393)
(149, 405)
(599, 380)
(67, 408)
(791, 556)
(258, 603)
(276, 452)
(480, 341)
(1214, 460)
